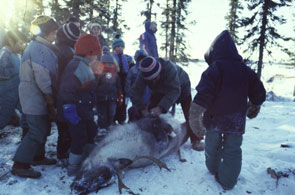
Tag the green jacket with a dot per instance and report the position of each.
(172, 79)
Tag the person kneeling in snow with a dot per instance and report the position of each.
(76, 96)
(219, 108)
(169, 84)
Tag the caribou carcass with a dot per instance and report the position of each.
(132, 145)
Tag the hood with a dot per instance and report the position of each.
(222, 48)
(147, 27)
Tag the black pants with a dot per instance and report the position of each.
(63, 140)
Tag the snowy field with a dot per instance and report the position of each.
(275, 125)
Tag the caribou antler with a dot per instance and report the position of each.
(121, 185)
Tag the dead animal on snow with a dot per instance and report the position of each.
(132, 145)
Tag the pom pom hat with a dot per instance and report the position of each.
(150, 68)
(87, 45)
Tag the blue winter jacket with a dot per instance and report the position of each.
(77, 87)
(225, 86)
(148, 41)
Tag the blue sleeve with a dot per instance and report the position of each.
(6, 67)
(208, 86)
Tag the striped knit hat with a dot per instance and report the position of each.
(71, 31)
(150, 68)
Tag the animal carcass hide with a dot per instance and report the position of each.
(149, 137)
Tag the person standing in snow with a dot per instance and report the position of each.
(108, 89)
(77, 96)
(122, 66)
(96, 29)
(169, 84)
(148, 41)
(66, 38)
(9, 77)
(219, 108)
(37, 87)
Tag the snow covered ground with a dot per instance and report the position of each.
(261, 149)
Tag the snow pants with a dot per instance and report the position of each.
(224, 157)
(63, 140)
(81, 134)
(32, 145)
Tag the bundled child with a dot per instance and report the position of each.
(76, 97)
(108, 90)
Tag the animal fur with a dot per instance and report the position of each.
(156, 137)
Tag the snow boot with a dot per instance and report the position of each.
(24, 170)
(198, 145)
(42, 160)
(75, 161)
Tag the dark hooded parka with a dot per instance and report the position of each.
(225, 87)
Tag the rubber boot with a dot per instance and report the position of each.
(75, 161)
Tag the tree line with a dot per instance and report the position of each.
(256, 29)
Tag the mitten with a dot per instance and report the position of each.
(70, 113)
(196, 119)
(252, 110)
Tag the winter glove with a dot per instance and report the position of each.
(252, 110)
(50, 106)
(120, 99)
(196, 119)
(70, 113)
(155, 112)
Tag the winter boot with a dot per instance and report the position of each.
(75, 161)
(42, 160)
(198, 145)
(24, 170)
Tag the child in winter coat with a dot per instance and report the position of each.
(220, 108)
(148, 41)
(66, 38)
(122, 66)
(108, 89)
(76, 98)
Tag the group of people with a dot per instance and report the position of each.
(78, 77)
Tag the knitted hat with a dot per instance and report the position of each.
(139, 55)
(92, 25)
(67, 34)
(106, 56)
(87, 45)
(46, 24)
(150, 68)
(118, 42)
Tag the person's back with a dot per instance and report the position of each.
(222, 95)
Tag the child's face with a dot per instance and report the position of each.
(92, 58)
(96, 31)
(119, 50)
(51, 36)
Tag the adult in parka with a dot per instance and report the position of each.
(169, 84)
(219, 108)
(36, 92)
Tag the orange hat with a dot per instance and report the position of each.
(87, 44)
